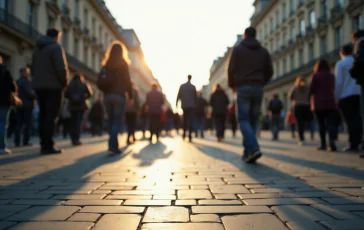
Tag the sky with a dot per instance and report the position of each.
(182, 37)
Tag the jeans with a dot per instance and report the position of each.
(23, 125)
(326, 122)
(76, 123)
(275, 123)
(115, 106)
(131, 118)
(249, 100)
(302, 114)
(154, 125)
(4, 116)
(350, 108)
(219, 120)
(200, 126)
(234, 124)
(188, 117)
(49, 102)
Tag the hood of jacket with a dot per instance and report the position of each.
(45, 41)
(251, 43)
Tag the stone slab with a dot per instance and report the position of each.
(45, 213)
(193, 194)
(78, 197)
(205, 218)
(93, 202)
(333, 211)
(144, 192)
(6, 224)
(118, 221)
(84, 217)
(8, 210)
(182, 226)
(230, 209)
(252, 222)
(297, 213)
(304, 225)
(259, 196)
(356, 224)
(166, 214)
(220, 202)
(225, 196)
(112, 209)
(128, 197)
(185, 202)
(147, 203)
(281, 201)
(54, 225)
(231, 189)
(37, 202)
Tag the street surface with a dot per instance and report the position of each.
(176, 185)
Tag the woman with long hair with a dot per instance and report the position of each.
(300, 97)
(219, 102)
(78, 92)
(322, 91)
(116, 70)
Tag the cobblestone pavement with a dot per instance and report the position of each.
(177, 185)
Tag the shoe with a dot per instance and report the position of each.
(321, 147)
(350, 150)
(332, 148)
(77, 144)
(115, 151)
(252, 157)
(51, 151)
(5, 151)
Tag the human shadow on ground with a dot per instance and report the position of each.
(151, 153)
(64, 180)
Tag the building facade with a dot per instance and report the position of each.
(299, 32)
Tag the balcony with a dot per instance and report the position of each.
(86, 35)
(53, 9)
(322, 25)
(310, 33)
(77, 27)
(310, 4)
(355, 7)
(337, 15)
(66, 20)
(301, 3)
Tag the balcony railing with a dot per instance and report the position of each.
(65, 10)
(77, 21)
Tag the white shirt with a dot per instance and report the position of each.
(345, 85)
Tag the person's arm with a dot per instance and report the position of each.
(89, 91)
(268, 69)
(338, 81)
(232, 69)
(60, 64)
(292, 94)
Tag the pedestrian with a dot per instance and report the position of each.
(144, 119)
(177, 122)
(250, 68)
(49, 73)
(232, 118)
(200, 115)
(7, 88)
(219, 102)
(169, 122)
(24, 112)
(347, 94)
(275, 108)
(155, 101)
(322, 91)
(114, 81)
(78, 92)
(163, 121)
(65, 119)
(187, 94)
(131, 116)
(300, 97)
(291, 121)
(96, 117)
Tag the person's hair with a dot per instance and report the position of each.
(79, 76)
(199, 93)
(1, 60)
(298, 81)
(53, 33)
(116, 54)
(250, 32)
(275, 95)
(154, 84)
(189, 77)
(217, 86)
(321, 65)
(347, 50)
(357, 34)
(22, 70)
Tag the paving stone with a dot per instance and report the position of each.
(25, 196)
(93, 202)
(37, 202)
(147, 203)
(205, 218)
(281, 201)
(182, 226)
(259, 196)
(101, 192)
(313, 194)
(128, 197)
(166, 214)
(111, 209)
(185, 202)
(333, 210)
(5, 201)
(225, 196)
(44, 213)
(54, 225)
(65, 192)
(231, 189)
(8, 210)
(303, 225)
(296, 213)
(118, 221)
(164, 197)
(347, 207)
(252, 222)
(193, 194)
(220, 202)
(144, 192)
(353, 191)
(271, 190)
(360, 214)
(230, 209)
(161, 187)
(199, 187)
(78, 197)
(356, 224)
(84, 217)
(345, 200)
(6, 224)
(255, 186)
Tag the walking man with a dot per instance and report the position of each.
(24, 113)
(200, 115)
(275, 108)
(155, 101)
(250, 68)
(49, 72)
(188, 95)
(347, 94)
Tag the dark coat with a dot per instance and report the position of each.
(322, 91)
(97, 113)
(121, 79)
(7, 86)
(219, 102)
(250, 64)
(201, 106)
(77, 88)
(49, 65)
(275, 106)
(136, 105)
(26, 92)
(155, 101)
(187, 94)
(357, 71)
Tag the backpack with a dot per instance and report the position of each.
(77, 97)
(104, 80)
(276, 106)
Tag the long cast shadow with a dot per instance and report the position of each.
(151, 153)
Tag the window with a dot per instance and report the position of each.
(75, 48)
(340, 3)
(85, 55)
(271, 24)
(277, 19)
(302, 27)
(4, 4)
(293, 5)
(284, 66)
(50, 22)
(301, 57)
(285, 39)
(323, 45)
(284, 12)
(301, 2)
(94, 26)
(292, 62)
(323, 8)
(77, 8)
(85, 17)
(338, 37)
(265, 30)
(100, 32)
(312, 17)
(278, 43)
(357, 22)
(31, 15)
(311, 51)
(293, 34)
(65, 40)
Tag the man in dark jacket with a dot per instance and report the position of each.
(96, 117)
(187, 94)
(49, 72)
(200, 115)
(24, 113)
(219, 102)
(250, 68)
(275, 107)
(155, 101)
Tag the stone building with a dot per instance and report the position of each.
(299, 32)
